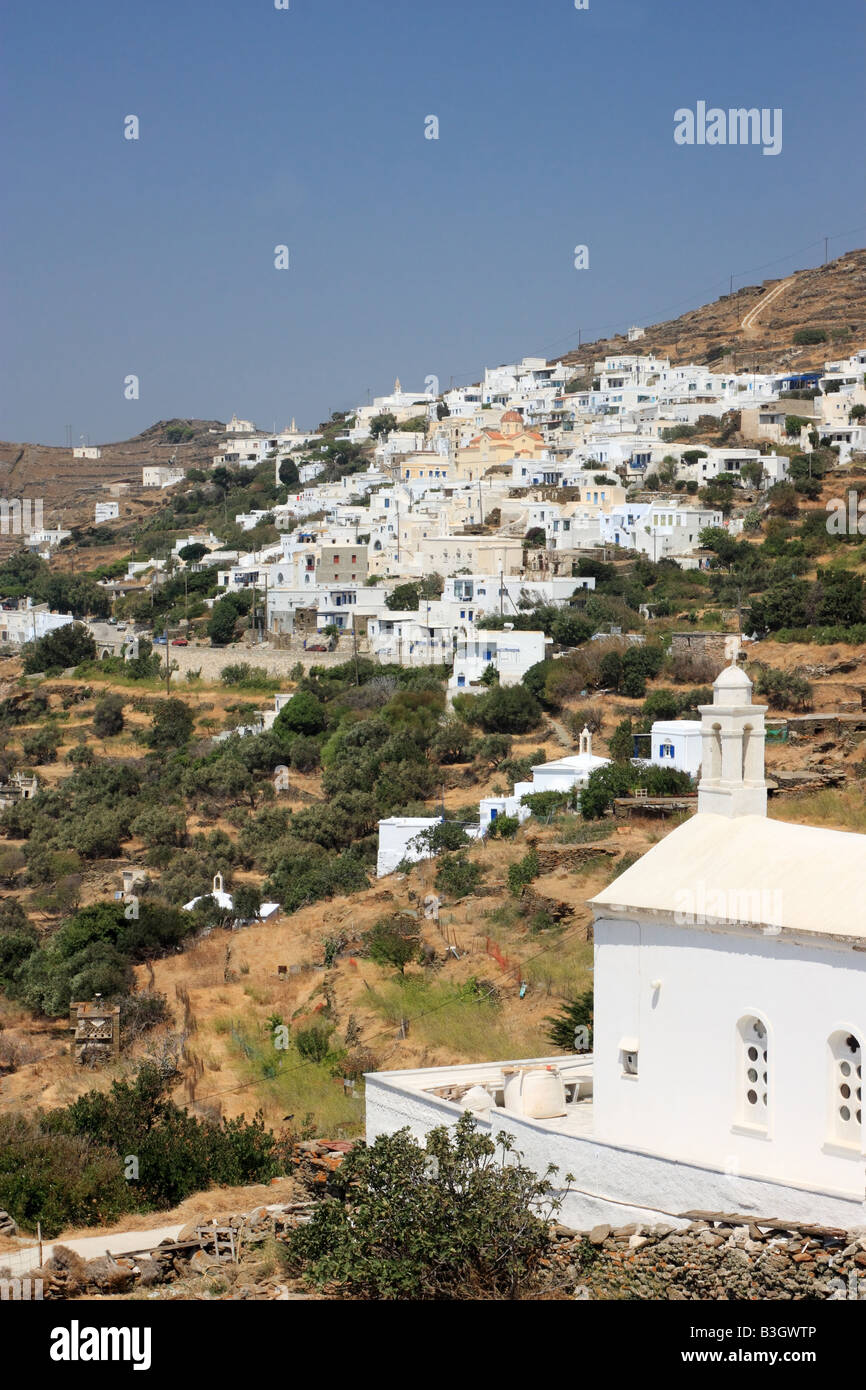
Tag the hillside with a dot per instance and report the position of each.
(830, 297)
(70, 487)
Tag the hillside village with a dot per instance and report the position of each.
(404, 766)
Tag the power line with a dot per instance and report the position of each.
(611, 327)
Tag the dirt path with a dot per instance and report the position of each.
(748, 324)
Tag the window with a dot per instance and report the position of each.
(628, 1056)
(846, 1120)
(753, 1082)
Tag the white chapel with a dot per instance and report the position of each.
(729, 1019)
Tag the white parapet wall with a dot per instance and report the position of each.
(612, 1183)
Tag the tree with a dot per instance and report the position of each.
(65, 646)
(302, 714)
(572, 1028)
(192, 553)
(459, 1217)
(621, 745)
(457, 876)
(535, 538)
(840, 598)
(246, 901)
(753, 472)
(404, 598)
(782, 498)
(172, 724)
(382, 424)
(222, 622)
(506, 709)
(393, 941)
(569, 629)
(289, 475)
(108, 716)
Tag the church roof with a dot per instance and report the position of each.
(748, 870)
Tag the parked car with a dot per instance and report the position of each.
(316, 647)
(179, 642)
(159, 641)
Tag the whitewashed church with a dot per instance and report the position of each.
(730, 1015)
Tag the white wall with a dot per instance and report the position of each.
(685, 1099)
(613, 1183)
(396, 836)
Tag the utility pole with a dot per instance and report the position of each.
(355, 649)
(826, 243)
(167, 666)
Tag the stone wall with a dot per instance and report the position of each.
(717, 1256)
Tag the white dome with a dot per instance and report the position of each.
(732, 681)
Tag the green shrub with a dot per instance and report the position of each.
(457, 876)
(503, 827)
(460, 1218)
(522, 872)
(571, 1028)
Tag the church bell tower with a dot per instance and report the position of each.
(732, 736)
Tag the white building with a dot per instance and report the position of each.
(87, 452)
(161, 475)
(105, 511)
(676, 743)
(564, 774)
(510, 653)
(730, 1016)
(29, 622)
(398, 840)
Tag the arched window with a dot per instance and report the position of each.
(716, 753)
(846, 1122)
(747, 735)
(753, 1072)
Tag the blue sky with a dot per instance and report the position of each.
(408, 256)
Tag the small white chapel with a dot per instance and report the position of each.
(729, 1020)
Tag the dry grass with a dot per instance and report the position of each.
(838, 808)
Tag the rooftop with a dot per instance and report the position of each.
(749, 870)
(445, 1086)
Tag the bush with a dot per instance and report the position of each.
(503, 827)
(571, 1028)
(313, 1043)
(393, 941)
(447, 1221)
(108, 716)
(66, 646)
(457, 876)
(177, 1153)
(506, 709)
(302, 714)
(784, 689)
(521, 873)
(59, 1180)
